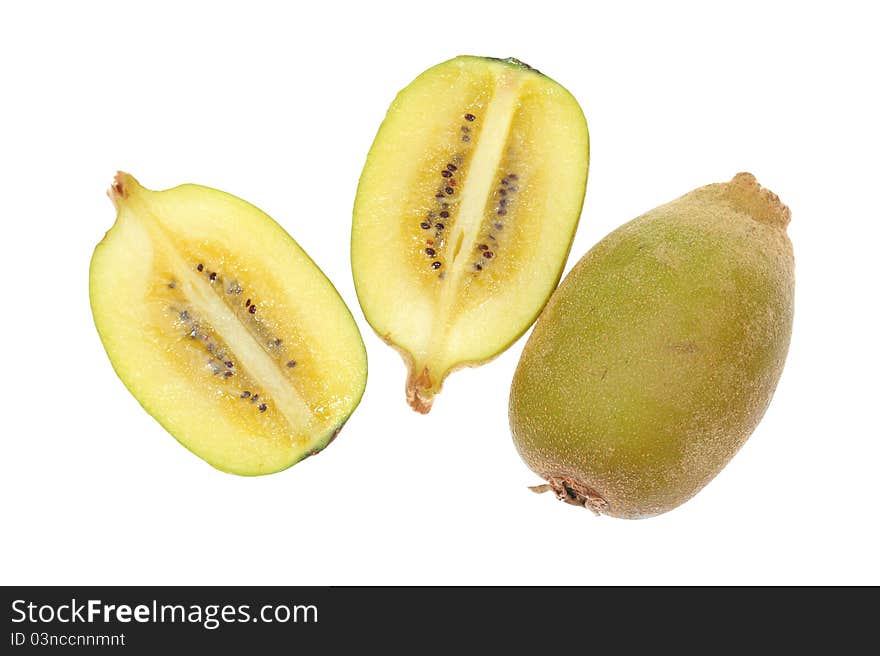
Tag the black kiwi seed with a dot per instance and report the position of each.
(502, 212)
(184, 315)
(245, 394)
(430, 251)
(446, 174)
(499, 226)
(439, 195)
(469, 117)
(435, 265)
(452, 167)
(200, 268)
(424, 225)
(228, 363)
(483, 247)
(444, 214)
(465, 138)
(262, 407)
(488, 255)
(449, 190)
(213, 276)
(172, 285)
(478, 267)
(291, 364)
(439, 226)
(227, 374)
(252, 309)
(247, 303)
(276, 341)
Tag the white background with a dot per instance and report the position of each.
(278, 104)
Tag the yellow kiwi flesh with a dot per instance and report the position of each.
(222, 327)
(659, 353)
(465, 213)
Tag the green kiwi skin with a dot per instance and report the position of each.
(658, 354)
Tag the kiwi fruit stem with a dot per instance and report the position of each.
(573, 492)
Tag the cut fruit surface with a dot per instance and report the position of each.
(223, 328)
(465, 213)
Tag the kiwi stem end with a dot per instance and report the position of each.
(763, 205)
(572, 492)
(119, 190)
(420, 392)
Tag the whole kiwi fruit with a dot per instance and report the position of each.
(658, 354)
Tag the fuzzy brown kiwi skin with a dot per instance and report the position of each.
(708, 396)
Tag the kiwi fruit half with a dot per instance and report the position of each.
(222, 327)
(465, 213)
(657, 356)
